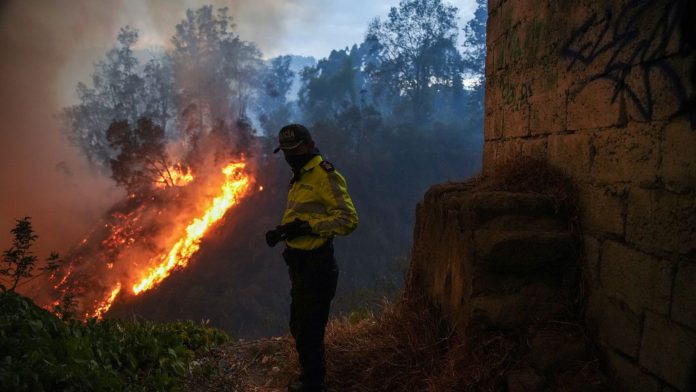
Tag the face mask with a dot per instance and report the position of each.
(296, 162)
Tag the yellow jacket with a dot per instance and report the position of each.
(320, 197)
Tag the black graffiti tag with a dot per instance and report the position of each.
(624, 41)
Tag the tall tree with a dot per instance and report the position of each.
(416, 51)
(116, 94)
(272, 99)
(214, 69)
(474, 53)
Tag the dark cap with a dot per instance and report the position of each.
(291, 136)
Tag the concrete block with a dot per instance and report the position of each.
(661, 221)
(669, 351)
(571, 153)
(678, 169)
(626, 154)
(640, 280)
(602, 209)
(616, 324)
(630, 374)
(591, 105)
(684, 299)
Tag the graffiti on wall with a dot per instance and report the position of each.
(638, 38)
(515, 95)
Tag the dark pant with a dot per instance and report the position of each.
(313, 275)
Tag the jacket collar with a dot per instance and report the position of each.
(314, 162)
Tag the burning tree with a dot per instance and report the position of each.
(187, 105)
(141, 161)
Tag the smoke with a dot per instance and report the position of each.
(48, 47)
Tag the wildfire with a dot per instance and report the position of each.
(235, 187)
(177, 176)
(105, 304)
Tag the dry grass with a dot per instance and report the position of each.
(407, 348)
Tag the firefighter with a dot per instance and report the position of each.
(318, 209)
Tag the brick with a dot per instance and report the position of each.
(657, 89)
(590, 106)
(642, 281)
(516, 121)
(616, 324)
(494, 125)
(547, 112)
(489, 155)
(626, 154)
(668, 350)
(516, 148)
(684, 300)
(661, 221)
(678, 170)
(590, 247)
(571, 153)
(602, 209)
(630, 375)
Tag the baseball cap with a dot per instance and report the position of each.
(291, 136)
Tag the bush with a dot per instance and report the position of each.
(42, 352)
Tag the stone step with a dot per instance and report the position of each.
(518, 252)
(490, 205)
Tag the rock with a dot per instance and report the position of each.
(556, 351)
(524, 380)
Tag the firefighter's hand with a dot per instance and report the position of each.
(273, 237)
(297, 228)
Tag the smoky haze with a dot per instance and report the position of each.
(390, 130)
(48, 47)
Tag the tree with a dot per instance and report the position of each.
(20, 259)
(141, 161)
(214, 69)
(475, 40)
(116, 94)
(271, 102)
(416, 51)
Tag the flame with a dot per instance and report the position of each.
(235, 187)
(105, 304)
(177, 175)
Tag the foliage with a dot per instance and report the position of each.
(141, 159)
(19, 257)
(416, 50)
(42, 352)
(272, 101)
(474, 55)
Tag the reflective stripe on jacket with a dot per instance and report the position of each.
(320, 197)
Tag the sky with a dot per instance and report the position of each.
(48, 46)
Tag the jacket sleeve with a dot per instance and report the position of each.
(341, 218)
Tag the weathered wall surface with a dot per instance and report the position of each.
(604, 90)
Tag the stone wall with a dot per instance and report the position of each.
(604, 90)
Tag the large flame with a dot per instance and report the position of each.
(235, 187)
(104, 306)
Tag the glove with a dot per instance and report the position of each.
(273, 237)
(296, 228)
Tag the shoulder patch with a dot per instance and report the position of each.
(327, 166)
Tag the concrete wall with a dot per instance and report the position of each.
(604, 90)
